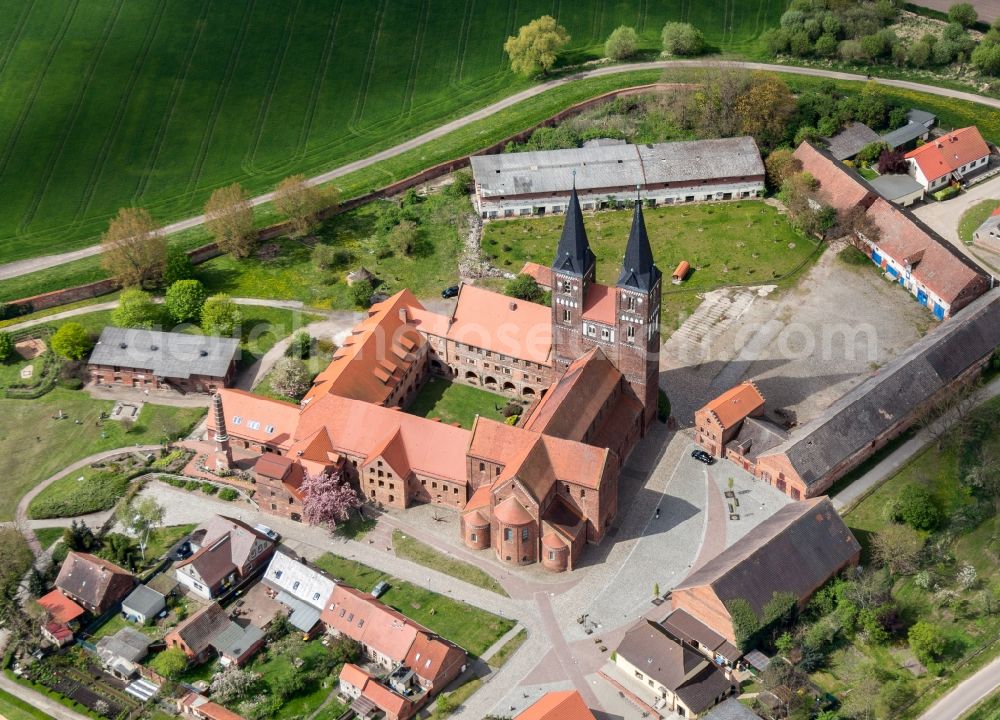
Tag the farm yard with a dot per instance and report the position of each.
(237, 97)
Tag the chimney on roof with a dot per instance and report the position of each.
(402, 314)
(512, 305)
(223, 452)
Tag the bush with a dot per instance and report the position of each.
(324, 256)
(184, 300)
(622, 43)
(228, 494)
(918, 509)
(136, 309)
(68, 498)
(220, 316)
(300, 345)
(927, 641)
(6, 346)
(362, 292)
(208, 488)
(170, 663)
(523, 287)
(945, 193)
(964, 14)
(462, 184)
(682, 39)
(178, 266)
(290, 377)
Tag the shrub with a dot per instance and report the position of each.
(917, 508)
(622, 43)
(170, 663)
(945, 193)
(362, 292)
(220, 316)
(462, 184)
(6, 346)
(68, 498)
(300, 346)
(184, 300)
(136, 309)
(324, 256)
(290, 377)
(208, 488)
(177, 267)
(228, 494)
(682, 39)
(523, 287)
(927, 641)
(192, 485)
(964, 14)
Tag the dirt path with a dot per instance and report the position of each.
(23, 267)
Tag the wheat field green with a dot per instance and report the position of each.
(154, 103)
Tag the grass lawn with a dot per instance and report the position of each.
(866, 172)
(13, 708)
(456, 403)
(501, 656)
(423, 554)
(974, 217)
(988, 709)
(473, 629)
(733, 243)
(162, 539)
(255, 93)
(48, 536)
(10, 371)
(288, 657)
(80, 493)
(966, 626)
(36, 445)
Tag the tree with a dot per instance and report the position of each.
(682, 39)
(898, 548)
(170, 663)
(220, 315)
(891, 162)
(132, 250)
(917, 508)
(764, 110)
(140, 518)
(71, 341)
(967, 576)
(362, 292)
(184, 300)
(964, 14)
(780, 165)
(290, 377)
(536, 46)
(234, 684)
(121, 549)
(136, 309)
(301, 202)
(229, 217)
(403, 237)
(926, 640)
(444, 706)
(523, 287)
(178, 266)
(622, 43)
(328, 499)
(6, 346)
(300, 346)
(79, 537)
(986, 57)
(871, 152)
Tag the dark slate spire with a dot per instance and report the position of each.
(639, 272)
(573, 255)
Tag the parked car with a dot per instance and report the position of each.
(182, 551)
(264, 529)
(702, 456)
(380, 589)
(450, 292)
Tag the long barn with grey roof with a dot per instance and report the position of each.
(822, 450)
(540, 182)
(153, 360)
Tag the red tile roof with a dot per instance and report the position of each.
(59, 607)
(351, 673)
(937, 158)
(541, 273)
(204, 707)
(504, 325)
(838, 186)
(59, 631)
(572, 403)
(565, 705)
(736, 404)
(256, 415)
(599, 305)
(512, 512)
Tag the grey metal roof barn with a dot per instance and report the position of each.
(144, 601)
(851, 140)
(918, 123)
(615, 166)
(165, 354)
(894, 187)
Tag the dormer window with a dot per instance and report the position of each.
(253, 424)
(269, 429)
(295, 585)
(237, 420)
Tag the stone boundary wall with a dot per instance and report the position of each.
(201, 254)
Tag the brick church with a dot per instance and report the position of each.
(538, 491)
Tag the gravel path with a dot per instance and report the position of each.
(23, 267)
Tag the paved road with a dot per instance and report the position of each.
(965, 696)
(944, 217)
(23, 267)
(37, 700)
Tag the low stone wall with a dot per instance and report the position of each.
(211, 250)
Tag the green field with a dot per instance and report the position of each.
(454, 403)
(110, 103)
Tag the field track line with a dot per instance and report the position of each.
(269, 89)
(320, 80)
(366, 74)
(29, 265)
(463, 40)
(15, 36)
(175, 93)
(70, 123)
(37, 85)
(418, 44)
(90, 189)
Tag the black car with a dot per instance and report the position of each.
(450, 292)
(182, 551)
(702, 456)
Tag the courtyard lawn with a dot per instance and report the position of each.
(746, 242)
(423, 554)
(36, 445)
(13, 708)
(288, 657)
(98, 116)
(455, 403)
(48, 536)
(974, 217)
(473, 629)
(967, 627)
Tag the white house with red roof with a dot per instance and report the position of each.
(949, 157)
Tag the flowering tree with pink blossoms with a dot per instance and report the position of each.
(328, 499)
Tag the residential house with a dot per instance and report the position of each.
(536, 183)
(153, 360)
(851, 140)
(143, 605)
(392, 641)
(371, 699)
(302, 589)
(226, 553)
(209, 631)
(987, 235)
(122, 652)
(198, 706)
(796, 551)
(558, 705)
(719, 421)
(949, 158)
(92, 582)
(665, 676)
(59, 608)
